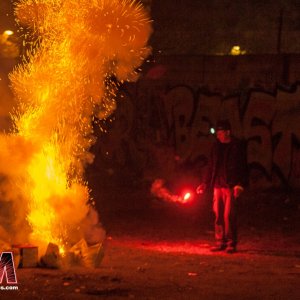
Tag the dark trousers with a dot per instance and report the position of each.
(224, 207)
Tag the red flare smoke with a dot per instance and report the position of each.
(159, 190)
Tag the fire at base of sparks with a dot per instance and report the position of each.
(79, 50)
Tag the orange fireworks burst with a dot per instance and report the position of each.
(63, 82)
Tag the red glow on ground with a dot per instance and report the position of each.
(199, 247)
(179, 247)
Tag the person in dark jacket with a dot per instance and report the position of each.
(226, 174)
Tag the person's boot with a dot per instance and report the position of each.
(217, 248)
(230, 249)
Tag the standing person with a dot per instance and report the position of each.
(226, 174)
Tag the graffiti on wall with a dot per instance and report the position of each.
(160, 128)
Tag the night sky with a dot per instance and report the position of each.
(213, 27)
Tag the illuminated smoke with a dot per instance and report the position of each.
(82, 49)
(159, 190)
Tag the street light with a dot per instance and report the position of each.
(236, 50)
(8, 45)
(8, 32)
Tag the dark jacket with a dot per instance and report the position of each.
(234, 163)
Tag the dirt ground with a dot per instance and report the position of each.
(157, 250)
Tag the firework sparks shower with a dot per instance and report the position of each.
(62, 85)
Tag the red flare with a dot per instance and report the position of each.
(187, 196)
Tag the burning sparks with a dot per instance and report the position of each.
(68, 77)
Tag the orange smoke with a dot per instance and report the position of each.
(63, 83)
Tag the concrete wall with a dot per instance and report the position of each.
(161, 126)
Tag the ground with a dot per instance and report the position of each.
(157, 250)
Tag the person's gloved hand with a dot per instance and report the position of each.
(201, 188)
(237, 191)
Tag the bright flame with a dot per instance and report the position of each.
(65, 80)
(62, 251)
(187, 196)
